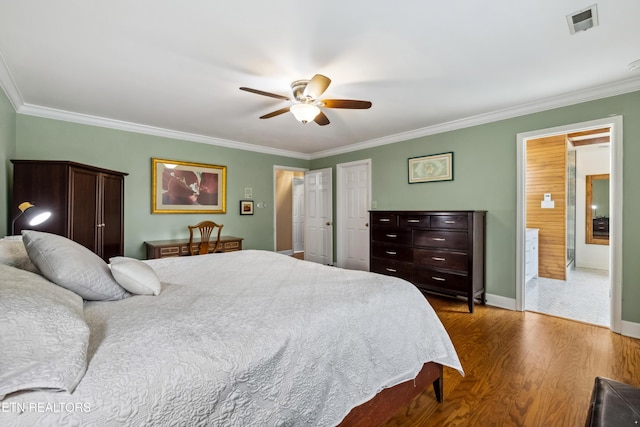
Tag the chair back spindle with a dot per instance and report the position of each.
(206, 228)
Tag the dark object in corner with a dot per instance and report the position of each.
(613, 404)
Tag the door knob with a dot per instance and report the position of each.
(328, 223)
(366, 225)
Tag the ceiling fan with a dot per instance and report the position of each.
(306, 105)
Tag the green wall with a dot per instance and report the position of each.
(39, 138)
(7, 151)
(485, 179)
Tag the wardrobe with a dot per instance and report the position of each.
(86, 202)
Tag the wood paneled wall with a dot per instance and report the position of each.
(547, 173)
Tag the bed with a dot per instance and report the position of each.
(242, 338)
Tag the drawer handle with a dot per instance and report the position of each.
(436, 258)
(391, 235)
(391, 252)
(391, 270)
(449, 222)
(438, 239)
(384, 220)
(413, 220)
(439, 279)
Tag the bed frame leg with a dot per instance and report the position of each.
(438, 389)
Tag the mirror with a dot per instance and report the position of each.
(597, 212)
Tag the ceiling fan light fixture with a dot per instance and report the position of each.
(305, 113)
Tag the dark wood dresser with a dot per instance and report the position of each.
(601, 228)
(441, 252)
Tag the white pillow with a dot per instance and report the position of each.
(72, 266)
(43, 334)
(135, 276)
(13, 253)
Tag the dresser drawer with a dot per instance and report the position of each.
(440, 239)
(384, 219)
(392, 268)
(231, 246)
(434, 279)
(418, 221)
(459, 222)
(169, 251)
(391, 235)
(392, 252)
(442, 259)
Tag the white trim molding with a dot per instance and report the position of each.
(630, 329)
(22, 107)
(591, 94)
(501, 302)
(9, 85)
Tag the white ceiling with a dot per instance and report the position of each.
(174, 68)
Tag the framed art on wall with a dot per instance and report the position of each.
(434, 167)
(246, 207)
(185, 187)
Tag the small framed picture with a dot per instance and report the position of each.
(435, 167)
(246, 207)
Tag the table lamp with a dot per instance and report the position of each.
(33, 215)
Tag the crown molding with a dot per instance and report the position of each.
(9, 85)
(86, 119)
(591, 94)
(572, 98)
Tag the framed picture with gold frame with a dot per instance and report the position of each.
(185, 187)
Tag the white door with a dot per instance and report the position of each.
(353, 202)
(318, 216)
(298, 214)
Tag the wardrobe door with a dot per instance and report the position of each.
(111, 234)
(83, 207)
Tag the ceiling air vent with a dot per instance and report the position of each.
(583, 19)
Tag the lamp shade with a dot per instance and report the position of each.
(32, 215)
(305, 113)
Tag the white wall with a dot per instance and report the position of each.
(589, 161)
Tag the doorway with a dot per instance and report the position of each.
(614, 248)
(583, 293)
(288, 211)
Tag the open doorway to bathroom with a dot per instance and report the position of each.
(580, 290)
(565, 272)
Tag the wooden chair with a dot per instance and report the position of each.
(206, 228)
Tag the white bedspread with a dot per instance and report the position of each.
(248, 338)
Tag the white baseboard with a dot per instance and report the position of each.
(630, 329)
(501, 302)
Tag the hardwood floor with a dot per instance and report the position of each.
(521, 369)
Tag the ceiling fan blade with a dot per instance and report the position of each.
(346, 103)
(261, 92)
(321, 119)
(276, 113)
(316, 86)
